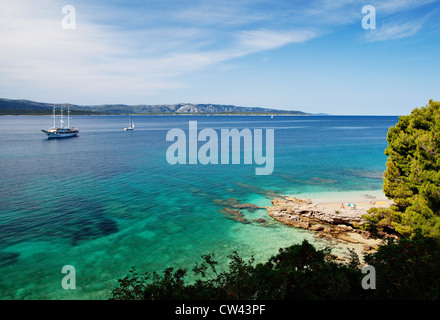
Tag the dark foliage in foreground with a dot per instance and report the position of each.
(405, 269)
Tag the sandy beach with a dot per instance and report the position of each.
(362, 199)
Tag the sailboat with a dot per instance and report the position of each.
(131, 125)
(61, 131)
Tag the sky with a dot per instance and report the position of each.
(317, 56)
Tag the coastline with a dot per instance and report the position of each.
(172, 114)
(331, 220)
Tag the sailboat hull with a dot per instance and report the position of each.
(60, 134)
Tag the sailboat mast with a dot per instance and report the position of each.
(68, 117)
(61, 118)
(54, 116)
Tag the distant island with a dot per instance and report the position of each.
(27, 107)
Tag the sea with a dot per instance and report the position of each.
(108, 200)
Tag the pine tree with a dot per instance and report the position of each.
(412, 177)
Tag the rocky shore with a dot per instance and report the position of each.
(334, 222)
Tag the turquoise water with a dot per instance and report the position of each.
(108, 199)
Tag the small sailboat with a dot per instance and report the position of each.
(131, 125)
(61, 131)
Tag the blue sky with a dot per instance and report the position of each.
(306, 55)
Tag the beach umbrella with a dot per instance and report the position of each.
(350, 205)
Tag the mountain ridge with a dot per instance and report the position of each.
(23, 106)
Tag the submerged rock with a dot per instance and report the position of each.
(8, 258)
(234, 203)
(234, 214)
(232, 209)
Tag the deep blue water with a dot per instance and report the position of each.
(108, 199)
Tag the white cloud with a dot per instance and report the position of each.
(257, 40)
(98, 59)
(392, 6)
(394, 31)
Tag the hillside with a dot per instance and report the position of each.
(22, 107)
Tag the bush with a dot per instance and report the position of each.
(405, 269)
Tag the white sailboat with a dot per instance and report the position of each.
(61, 131)
(131, 125)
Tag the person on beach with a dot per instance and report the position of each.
(342, 206)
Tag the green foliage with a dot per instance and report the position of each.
(156, 287)
(412, 177)
(405, 269)
(302, 272)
